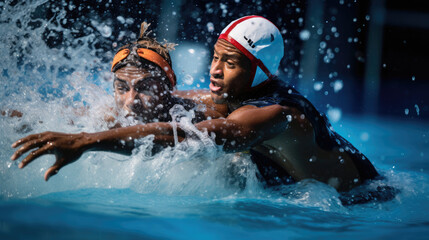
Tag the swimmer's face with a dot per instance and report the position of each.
(142, 93)
(229, 73)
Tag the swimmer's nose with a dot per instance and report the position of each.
(136, 102)
(132, 99)
(216, 69)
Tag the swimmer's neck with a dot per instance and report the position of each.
(232, 106)
(235, 103)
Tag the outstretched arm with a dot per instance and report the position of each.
(247, 126)
(242, 129)
(200, 96)
(67, 148)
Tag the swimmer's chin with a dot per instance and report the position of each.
(218, 98)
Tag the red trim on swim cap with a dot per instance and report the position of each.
(245, 52)
(237, 22)
(256, 62)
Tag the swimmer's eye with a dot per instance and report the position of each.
(230, 64)
(121, 88)
(215, 58)
(147, 86)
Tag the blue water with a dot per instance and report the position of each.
(192, 191)
(310, 210)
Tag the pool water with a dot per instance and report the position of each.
(191, 191)
(89, 200)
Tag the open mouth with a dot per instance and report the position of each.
(215, 87)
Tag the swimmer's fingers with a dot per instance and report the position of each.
(34, 154)
(27, 139)
(28, 146)
(52, 170)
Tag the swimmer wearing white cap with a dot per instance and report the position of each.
(292, 141)
(288, 138)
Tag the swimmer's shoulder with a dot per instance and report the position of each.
(200, 96)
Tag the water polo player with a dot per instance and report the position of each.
(288, 138)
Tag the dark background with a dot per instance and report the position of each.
(377, 49)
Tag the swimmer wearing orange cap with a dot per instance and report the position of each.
(144, 81)
(288, 138)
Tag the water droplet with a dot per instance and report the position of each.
(334, 114)
(188, 79)
(304, 35)
(417, 109)
(364, 137)
(338, 85)
(210, 27)
(318, 86)
(191, 51)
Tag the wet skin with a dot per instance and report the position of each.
(241, 129)
(246, 127)
(142, 93)
(229, 74)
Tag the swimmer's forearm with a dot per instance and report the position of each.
(233, 136)
(247, 127)
(122, 140)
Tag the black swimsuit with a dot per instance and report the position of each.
(278, 92)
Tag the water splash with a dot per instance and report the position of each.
(58, 77)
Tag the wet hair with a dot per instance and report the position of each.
(145, 41)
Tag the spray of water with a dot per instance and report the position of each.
(64, 87)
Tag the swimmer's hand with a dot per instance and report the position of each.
(66, 147)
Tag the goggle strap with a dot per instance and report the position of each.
(121, 55)
(160, 61)
(150, 56)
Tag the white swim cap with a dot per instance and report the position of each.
(259, 40)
